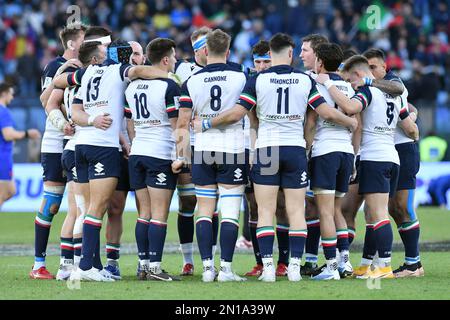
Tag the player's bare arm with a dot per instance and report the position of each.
(55, 112)
(80, 117)
(310, 127)
(394, 88)
(182, 139)
(146, 72)
(228, 117)
(331, 114)
(410, 128)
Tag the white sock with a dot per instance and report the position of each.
(208, 263)
(332, 264)
(65, 261)
(188, 252)
(297, 261)
(384, 262)
(225, 265)
(214, 249)
(267, 262)
(38, 264)
(344, 256)
(144, 262)
(155, 265)
(76, 260)
(366, 262)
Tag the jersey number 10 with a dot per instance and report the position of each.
(140, 101)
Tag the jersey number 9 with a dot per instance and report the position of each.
(390, 113)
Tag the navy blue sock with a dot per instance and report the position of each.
(351, 235)
(342, 240)
(77, 242)
(255, 243)
(410, 232)
(215, 227)
(91, 240)
(313, 239)
(228, 235)
(67, 248)
(246, 226)
(384, 238)
(42, 226)
(370, 245)
(112, 251)
(266, 236)
(141, 234)
(329, 248)
(283, 243)
(97, 261)
(157, 231)
(186, 227)
(204, 232)
(297, 240)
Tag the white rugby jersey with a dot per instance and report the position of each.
(331, 137)
(102, 88)
(379, 117)
(52, 140)
(281, 95)
(210, 92)
(400, 136)
(69, 94)
(185, 69)
(152, 103)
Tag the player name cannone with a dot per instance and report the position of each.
(284, 81)
(216, 78)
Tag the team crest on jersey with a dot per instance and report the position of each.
(192, 68)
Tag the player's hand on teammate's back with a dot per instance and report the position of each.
(177, 165)
(69, 130)
(103, 122)
(413, 116)
(126, 149)
(321, 78)
(34, 134)
(354, 123)
(71, 63)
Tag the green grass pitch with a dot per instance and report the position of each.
(18, 228)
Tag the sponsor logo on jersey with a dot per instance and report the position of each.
(238, 174)
(161, 179)
(99, 169)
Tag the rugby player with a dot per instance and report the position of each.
(97, 155)
(281, 95)
(71, 37)
(219, 158)
(262, 61)
(7, 137)
(153, 107)
(379, 160)
(308, 56)
(331, 167)
(401, 205)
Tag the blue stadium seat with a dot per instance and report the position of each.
(19, 115)
(37, 118)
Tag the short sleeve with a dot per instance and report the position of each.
(364, 96)
(49, 73)
(124, 68)
(5, 118)
(171, 98)
(126, 109)
(247, 99)
(185, 98)
(314, 97)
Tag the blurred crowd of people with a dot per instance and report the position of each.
(414, 34)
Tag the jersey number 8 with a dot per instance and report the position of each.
(216, 93)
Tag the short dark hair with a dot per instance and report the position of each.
(349, 53)
(331, 55)
(261, 48)
(315, 39)
(71, 32)
(356, 61)
(4, 87)
(281, 41)
(374, 53)
(96, 32)
(159, 48)
(87, 51)
(218, 42)
(203, 31)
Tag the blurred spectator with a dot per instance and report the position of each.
(29, 73)
(438, 189)
(432, 148)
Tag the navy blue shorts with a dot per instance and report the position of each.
(53, 170)
(355, 180)
(94, 162)
(210, 167)
(378, 177)
(409, 165)
(332, 171)
(124, 180)
(68, 164)
(152, 172)
(6, 167)
(284, 166)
